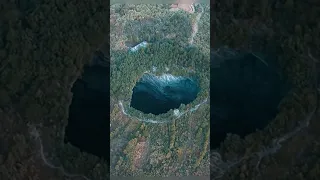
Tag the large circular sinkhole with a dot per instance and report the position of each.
(245, 93)
(88, 122)
(158, 94)
(160, 81)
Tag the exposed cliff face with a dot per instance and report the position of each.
(158, 94)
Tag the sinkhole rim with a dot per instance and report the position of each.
(172, 113)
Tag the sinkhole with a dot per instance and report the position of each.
(88, 121)
(159, 94)
(245, 93)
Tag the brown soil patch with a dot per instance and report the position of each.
(186, 5)
(139, 152)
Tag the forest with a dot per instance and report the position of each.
(159, 149)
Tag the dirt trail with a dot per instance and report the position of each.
(140, 152)
(189, 6)
(195, 25)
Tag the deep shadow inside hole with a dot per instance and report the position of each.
(159, 94)
(88, 122)
(245, 93)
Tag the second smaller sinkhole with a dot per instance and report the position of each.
(159, 94)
